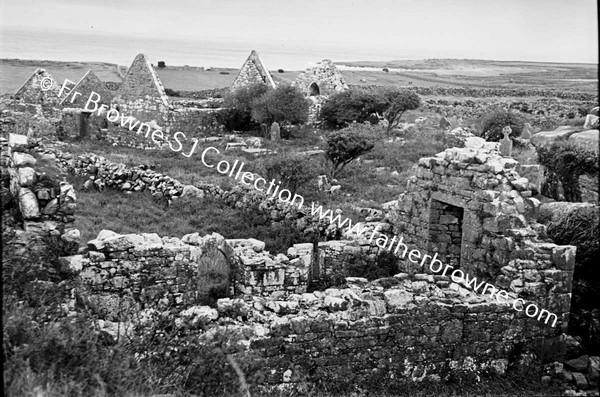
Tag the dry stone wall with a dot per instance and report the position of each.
(501, 241)
(45, 204)
(411, 332)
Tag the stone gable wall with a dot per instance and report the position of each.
(89, 83)
(253, 71)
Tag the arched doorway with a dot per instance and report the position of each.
(313, 89)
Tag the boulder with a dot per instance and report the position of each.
(18, 142)
(28, 204)
(587, 139)
(548, 137)
(23, 159)
(27, 176)
(192, 191)
(591, 121)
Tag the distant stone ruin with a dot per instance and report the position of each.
(141, 94)
(32, 91)
(322, 79)
(78, 95)
(253, 71)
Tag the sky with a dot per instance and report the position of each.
(526, 30)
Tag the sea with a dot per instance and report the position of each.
(193, 51)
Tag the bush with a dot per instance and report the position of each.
(285, 105)
(493, 124)
(346, 145)
(171, 92)
(293, 170)
(237, 114)
(355, 105)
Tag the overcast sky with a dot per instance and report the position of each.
(542, 30)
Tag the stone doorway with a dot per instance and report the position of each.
(84, 124)
(445, 232)
(314, 90)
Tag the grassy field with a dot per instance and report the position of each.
(425, 73)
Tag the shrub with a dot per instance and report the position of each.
(564, 164)
(285, 104)
(280, 71)
(346, 145)
(237, 114)
(493, 124)
(171, 92)
(293, 170)
(355, 105)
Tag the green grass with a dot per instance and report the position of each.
(140, 212)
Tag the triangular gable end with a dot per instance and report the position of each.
(88, 83)
(141, 80)
(253, 66)
(32, 91)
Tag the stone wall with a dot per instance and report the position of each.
(501, 241)
(33, 120)
(78, 95)
(414, 331)
(141, 94)
(45, 204)
(322, 79)
(131, 272)
(253, 71)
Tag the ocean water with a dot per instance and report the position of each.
(101, 47)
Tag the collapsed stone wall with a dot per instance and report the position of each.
(501, 241)
(45, 205)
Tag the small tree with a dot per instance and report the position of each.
(345, 145)
(492, 125)
(285, 105)
(399, 101)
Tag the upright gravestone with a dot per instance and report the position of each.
(506, 142)
(526, 134)
(444, 123)
(275, 132)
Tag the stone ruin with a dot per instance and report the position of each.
(469, 204)
(322, 79)
(32, 92)
(253, 71)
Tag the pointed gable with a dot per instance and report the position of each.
(80, 93)
(141, 82)
(40, 88)
(253, 71)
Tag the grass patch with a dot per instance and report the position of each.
(141, 213)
